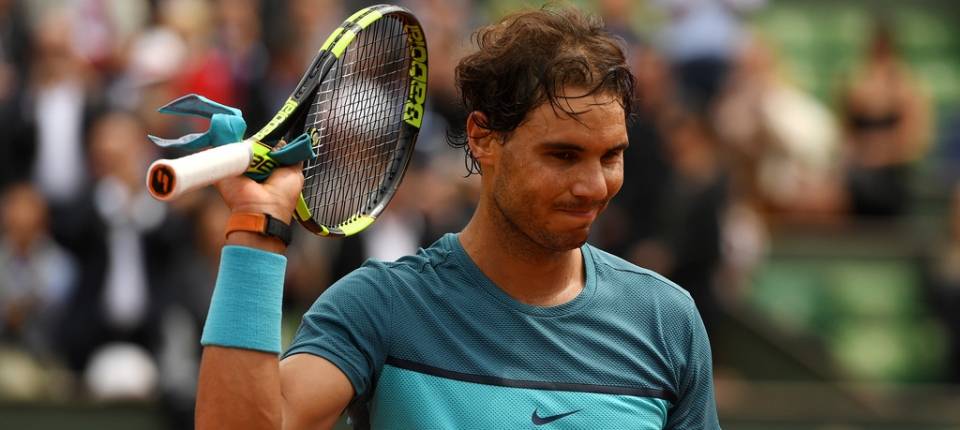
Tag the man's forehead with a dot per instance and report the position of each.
(582, 110)
(595, 125)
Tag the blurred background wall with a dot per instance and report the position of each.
(793, 164)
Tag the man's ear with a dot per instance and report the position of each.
(480, 138)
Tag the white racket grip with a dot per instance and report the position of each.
(169, 179)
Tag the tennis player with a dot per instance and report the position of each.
(515, 322)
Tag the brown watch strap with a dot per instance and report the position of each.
(258, 223)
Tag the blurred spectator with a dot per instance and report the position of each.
(700, 40)
(125, 241)
(781, 142)
(886, 128)
(311, 21)
(206, 69)
(178, 55)
(103, 28)
(153, 60)
(63, 91)
(296, 34)
(695, 200)
(36, 274)
(240, 39)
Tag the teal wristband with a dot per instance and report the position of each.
(246, 304)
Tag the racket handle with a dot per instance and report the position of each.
(169, 179)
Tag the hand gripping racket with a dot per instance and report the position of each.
(359, 105)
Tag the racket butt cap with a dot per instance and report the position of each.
(169, 179)
(161, 180)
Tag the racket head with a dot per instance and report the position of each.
(363, 113)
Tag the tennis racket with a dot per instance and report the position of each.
(361, 103)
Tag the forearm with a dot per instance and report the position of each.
(242, 384)
(240, 387)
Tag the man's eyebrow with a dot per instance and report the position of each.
(561, 146)
(566, 146)
(622, 146)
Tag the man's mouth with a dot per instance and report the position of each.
(588, 212)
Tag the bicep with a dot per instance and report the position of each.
(315, 392)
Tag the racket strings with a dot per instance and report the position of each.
(383, 157)
(353, 164)
(323, 100)
(324, 130)
(357, 114)
(351, 200)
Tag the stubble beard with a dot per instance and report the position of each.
(523, 229)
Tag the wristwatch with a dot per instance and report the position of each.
(260, 223)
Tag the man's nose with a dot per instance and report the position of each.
(590, 182)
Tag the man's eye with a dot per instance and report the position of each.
(612, 156)
(565, 156)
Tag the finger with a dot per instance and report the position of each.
(284, 173)
(232, 183)
(287, 177)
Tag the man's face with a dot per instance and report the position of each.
(555, 174)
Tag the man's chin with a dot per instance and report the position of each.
(563, 242)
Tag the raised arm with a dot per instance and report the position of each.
(242, 382)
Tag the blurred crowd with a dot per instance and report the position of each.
(103, 290)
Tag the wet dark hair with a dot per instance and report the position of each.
(527, 59)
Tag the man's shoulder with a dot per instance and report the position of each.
(622, 273)
(405, 270)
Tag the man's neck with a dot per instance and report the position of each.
(523, 269)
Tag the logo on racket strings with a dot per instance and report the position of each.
(413, 108)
